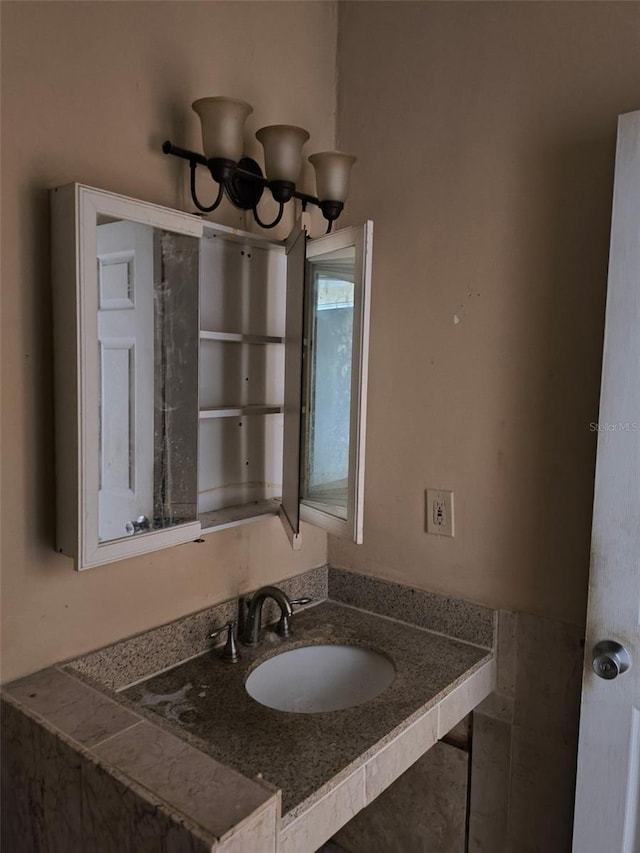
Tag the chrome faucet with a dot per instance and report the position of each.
(251, 634)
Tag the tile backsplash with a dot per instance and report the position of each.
(135, 658)
(138, 657)
(454, 617)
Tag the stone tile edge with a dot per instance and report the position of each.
(467, 695)
(130, 716)
(176, 746)
(362, 762)
(246, 823)
(357, 777)
(142, 792)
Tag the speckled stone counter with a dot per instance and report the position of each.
(189, 751)
(302, 754)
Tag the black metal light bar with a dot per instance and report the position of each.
(244, 184)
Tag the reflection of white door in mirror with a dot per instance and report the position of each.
(125, 340)
(111, 268)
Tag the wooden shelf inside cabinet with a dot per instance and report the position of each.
(232, 516)
(238, 411)
(234, 338)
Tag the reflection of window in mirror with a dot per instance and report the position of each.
(330, 306)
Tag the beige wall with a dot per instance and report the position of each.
(89, 92)
(485, 134)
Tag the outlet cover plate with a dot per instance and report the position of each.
(439, 515)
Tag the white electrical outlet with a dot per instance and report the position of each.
(439, 512)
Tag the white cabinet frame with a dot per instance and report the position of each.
(75, 212)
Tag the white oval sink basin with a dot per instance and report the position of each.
(313, 679)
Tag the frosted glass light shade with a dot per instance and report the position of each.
(332, 174)
(282, 145)
(222, 121)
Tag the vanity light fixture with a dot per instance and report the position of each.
(222, 121)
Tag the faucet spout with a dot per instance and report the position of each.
(251, 633)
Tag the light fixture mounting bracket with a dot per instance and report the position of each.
(243, 192)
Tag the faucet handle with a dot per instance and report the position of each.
(284, 625)
(230, 653)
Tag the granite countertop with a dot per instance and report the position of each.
(163, 738)
(305, 755)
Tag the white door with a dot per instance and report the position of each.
(607, 816)
(125, 340)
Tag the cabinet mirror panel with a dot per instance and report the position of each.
(147, 364)
(330, 305)
(336, 339)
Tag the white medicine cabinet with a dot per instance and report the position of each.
(205, 377)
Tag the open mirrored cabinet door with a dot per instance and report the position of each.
(193, 371)
(290, 511)
(126, 289)
(330, 446)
